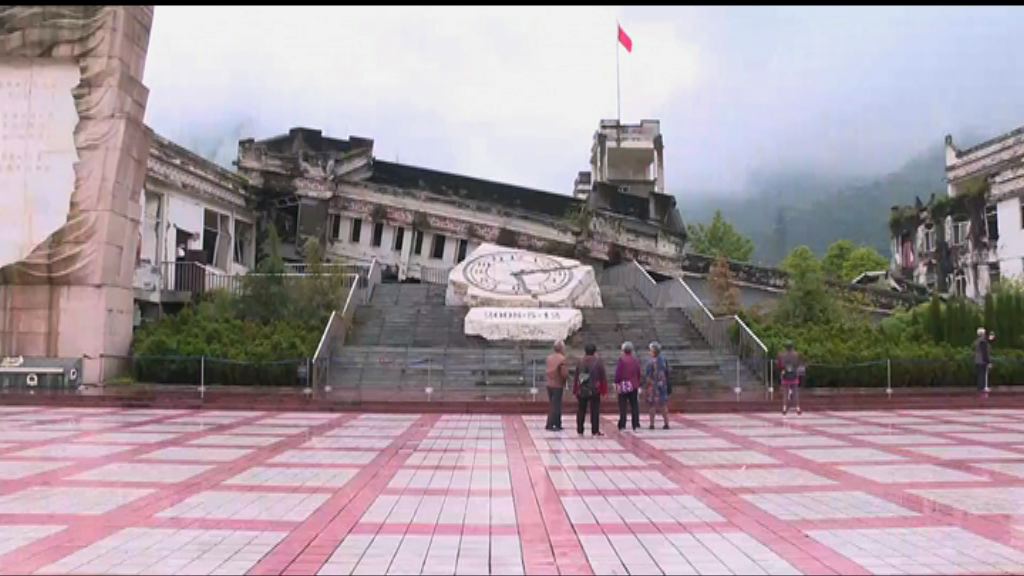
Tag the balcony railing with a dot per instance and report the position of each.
(198, 279)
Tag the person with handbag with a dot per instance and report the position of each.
(589, 384)
(658, 388)
(627, 385)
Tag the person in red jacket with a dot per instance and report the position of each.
(589, 384)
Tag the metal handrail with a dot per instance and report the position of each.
(748, 348)
(633, 276)
(337, 328)
(757, 360)
(373, 277)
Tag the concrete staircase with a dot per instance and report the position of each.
(407, 338)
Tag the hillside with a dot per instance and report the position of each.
(785, 210)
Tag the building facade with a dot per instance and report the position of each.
(966, 242)
(196, 227)
(419, 223)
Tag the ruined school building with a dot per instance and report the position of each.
(965, 242)
(200, 221)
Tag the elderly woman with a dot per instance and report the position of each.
(627, 385)
(656, 374)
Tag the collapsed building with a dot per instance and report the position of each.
(965, 242)
(419, 223)
(202, 225)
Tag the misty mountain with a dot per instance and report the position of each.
(785, 209)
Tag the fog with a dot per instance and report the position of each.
(515, 94)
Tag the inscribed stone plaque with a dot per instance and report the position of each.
(37, 152)
(530, 324)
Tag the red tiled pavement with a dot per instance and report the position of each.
(897, 491)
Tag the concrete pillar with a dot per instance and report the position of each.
(71, 295)
(407, 241)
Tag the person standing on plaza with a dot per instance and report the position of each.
(792, 370)
(589, 385)
(627, 385)
(557, 372)
(656, 375)
(982, 359)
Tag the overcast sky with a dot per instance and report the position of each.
(515, 94)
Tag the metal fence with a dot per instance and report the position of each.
(425, 378)
(205, 371)
(431, 275)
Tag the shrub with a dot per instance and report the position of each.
(259, 337)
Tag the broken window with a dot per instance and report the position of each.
(418, 242)
(929, 239)
(463, 246)
(210, 234)
(960, 232)
(357, 230)
(378, 234)
(993, 274)
(244, 244)
(216, 239)
(960, 284)
(437, 250)
(992, 222)
(335, 226)
(399, 238)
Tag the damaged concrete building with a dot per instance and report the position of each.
(419, 223)
(197, 229)
(964, 243)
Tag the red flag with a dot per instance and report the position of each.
(625, 40)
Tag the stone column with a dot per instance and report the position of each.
(69, 292)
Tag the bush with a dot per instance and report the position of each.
(930, 345)
(260, 337)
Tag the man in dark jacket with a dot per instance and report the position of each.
(982, 360)
(589, 384)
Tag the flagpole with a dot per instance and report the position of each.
(618, 88)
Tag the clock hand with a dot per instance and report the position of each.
(544, 270)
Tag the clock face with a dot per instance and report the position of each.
(517, 273)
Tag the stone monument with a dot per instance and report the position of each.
(503, 277)
(521, 295)
(73, 152)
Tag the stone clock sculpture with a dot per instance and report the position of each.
(501, 277)
(518, 273)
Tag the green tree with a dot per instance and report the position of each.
(720, 239)
(836, 257)
(807, 299)
(861, 260)
(264, 296)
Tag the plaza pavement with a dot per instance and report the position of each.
(123, 491)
